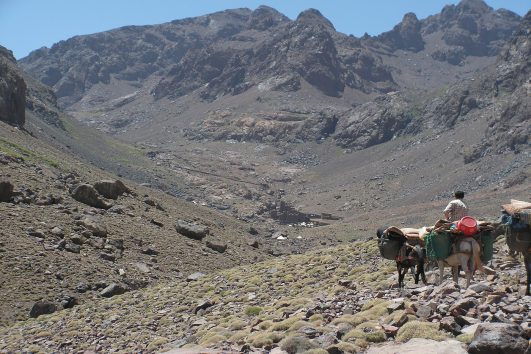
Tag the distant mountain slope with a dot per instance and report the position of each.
(256, 75)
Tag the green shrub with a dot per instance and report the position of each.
(253, 310)
(296, 344)
(419, 329)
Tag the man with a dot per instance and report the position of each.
(456, 209)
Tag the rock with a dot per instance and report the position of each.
(67, 301)
(94, 224)
(389, 330)
(395, 305)
(150, 251)
(253, 244)
(326, 340)
(156, 223)
(57, 231)
(480, 287)
(77, 239)
(423, 310)
(203, 305)
(253, 231)
(86, 194)
(42, 308)
(111, 189)
(6, 191)
(420, 345)
(191, 230)
(194, 276)
(500, 338)
(465, 320)
(449, 324)
(112, 290)
(143, 267)
(216, 245)
(107, 257)
(461, 307)
(82, 287)
(72, 247)
(36, 233)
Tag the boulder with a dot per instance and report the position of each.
(111, 189)
(449, 324)
(194, 276)
(461, 307)
(112, 290)
(191, 230)
(6, 191)
(203, 305)
(216, 245)
(499, 338)
(42, 308)
(87, 194)
(94, 224)
(420, 345)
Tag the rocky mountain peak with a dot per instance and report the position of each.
(314, 17)
(406, 35)
(265, 17)
(477, 7)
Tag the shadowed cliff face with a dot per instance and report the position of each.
(12, 90)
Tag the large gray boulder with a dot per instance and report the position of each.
(112, 290)
(94, 224)
(87, 194)
(6, 191)
(191, 230)
(420, 345)
(42, 308)
(498, 338)
(111, 189)
(216, 245)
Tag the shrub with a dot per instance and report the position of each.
(296, 344)
(253, 310)
(418, 329)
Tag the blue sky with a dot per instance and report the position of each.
(26, 25)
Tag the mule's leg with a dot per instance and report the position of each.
(441, 271)
(455, 274)
(527, 261)
(399, 270)
(467, 265)
(420, 268)
(417, 273)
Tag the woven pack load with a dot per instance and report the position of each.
(391, 242)
(486, 239)
(438, 245)
(518, 239)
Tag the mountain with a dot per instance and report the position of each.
(248, 161)
(283, 80)
(240, 107)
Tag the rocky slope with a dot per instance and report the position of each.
(328, 301)
(65, 237)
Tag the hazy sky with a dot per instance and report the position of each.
(26, 25)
